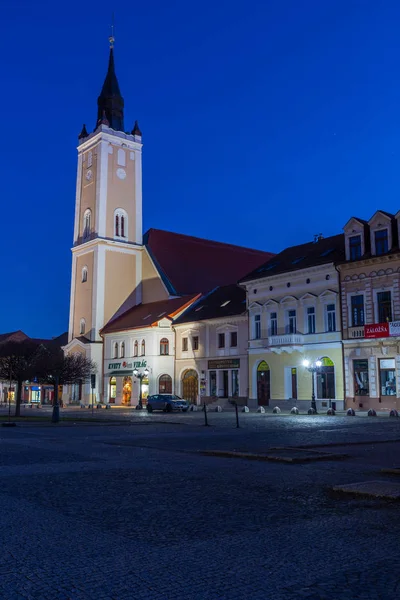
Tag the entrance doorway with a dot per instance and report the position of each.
(263, 384)
(326, 379)
(165, 384)
(225, 384)
(190, 386)
(127, 391)
(294, 383)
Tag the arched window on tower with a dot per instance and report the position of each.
(87, 223)
(164, 347)
(136, 349)
(84, 274)
(143, 347)
(90, 158)
(120, 224)
(82, 326)
(115, 350)
(121, 158)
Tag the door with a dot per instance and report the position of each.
(294, 384)
(225, 379)
(190, 386)
(326, 380)
(263, 384)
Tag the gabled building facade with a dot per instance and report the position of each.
(294, 315)
(370, 288)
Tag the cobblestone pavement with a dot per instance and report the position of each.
(109, 511)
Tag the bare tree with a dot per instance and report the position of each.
(18, 362)
(57, 368)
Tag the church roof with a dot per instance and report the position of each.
(110, 104)
(189, 265)
(147, 315)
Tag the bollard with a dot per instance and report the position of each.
(237, 415)
(205, 415)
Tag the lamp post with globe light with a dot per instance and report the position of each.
(140, 376)
(312, 367)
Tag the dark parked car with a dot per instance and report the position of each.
(166, 402)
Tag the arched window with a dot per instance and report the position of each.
(143, 347)
(122, 350)
(164, 347)
(115, 352)
(165, 384)
(82, 326)
(120, 224)
(87, 223)
(136, 349)
(90, 158)
(84, 274)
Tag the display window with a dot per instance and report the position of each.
(113, 390)
(361, 378)
(387, 373)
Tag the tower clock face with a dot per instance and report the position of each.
(89, 175)
(121, 173)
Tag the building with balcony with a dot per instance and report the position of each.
(370, 303)
(294, 314)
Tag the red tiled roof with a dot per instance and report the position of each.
(190, 265)
(146, 315)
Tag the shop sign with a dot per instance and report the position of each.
(387, 363)
(124, 365)
(394, 328)
(378, 330)
(224, 363)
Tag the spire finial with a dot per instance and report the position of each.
(111, 39)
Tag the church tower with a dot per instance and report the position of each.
(107, 246)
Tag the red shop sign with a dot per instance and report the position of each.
(376, 331)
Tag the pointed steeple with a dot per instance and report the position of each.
(83, 134)
(136, 130)
(110, 100)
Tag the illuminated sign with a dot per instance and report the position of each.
(126, 365)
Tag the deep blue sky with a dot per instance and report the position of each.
(264, 122)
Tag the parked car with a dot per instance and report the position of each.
(166, 402)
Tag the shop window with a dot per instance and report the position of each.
(257, 327)
(184, 344)
(143, 348)
(122, 350)
(213, 383)
(381, 242)
(113, 390)
(387, 374)
(357, 310)
(164, 347)
(221, 340)
(84, 274)
(355, 247)
(82, 326)
(136, 349)
(310, 319)
(273, 324)
(331, 317)
(234, 339)
(87, 220)
(384, 304)
(165, 384)
(115, 350)
(235, 382)
(127, 391)
(195, 342)
(361, 379)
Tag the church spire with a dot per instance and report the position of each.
(110, 101)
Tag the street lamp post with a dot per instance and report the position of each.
(140, 376)
(312, 368)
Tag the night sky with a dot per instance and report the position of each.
(264, 122)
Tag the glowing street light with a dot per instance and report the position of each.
(140, 376)
(312, 368)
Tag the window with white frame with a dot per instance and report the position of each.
(122, 350)
(381, 241)
(136, 348)
(310, 319)
(115, 350)
(257, 327)
(87, 223)
(331, 317)
(384, 307)
(357, 310)
(82, 326)
(273, 323)
(84, 274)
(291, 326)
(120, 224)
(143, 352)
(221, 340)
(164, 347)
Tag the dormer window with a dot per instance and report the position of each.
(355, 247)
(381, 242)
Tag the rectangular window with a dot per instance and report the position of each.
(292, 322)
(273, 324)
(221, 340)
(311, 319)
(355, 247)
(235, 383)
(257, 327)
(184, 344)
(195, 341)
(361, 379)
(381, 242)
(357, 311)
(233, 339)
(213, 383)
(387, 376)
(331, 317)
(384, 301)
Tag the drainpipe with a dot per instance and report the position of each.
(341, 341)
